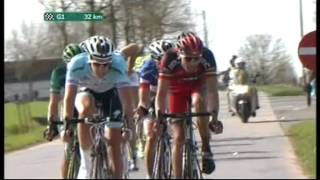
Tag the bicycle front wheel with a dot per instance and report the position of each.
(191, 167)
(74, 163)
(159, 161)
(99, 162)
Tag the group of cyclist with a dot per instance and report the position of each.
(95, 74)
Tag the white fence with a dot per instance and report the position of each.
(22, 89)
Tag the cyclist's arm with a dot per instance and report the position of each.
(53, 107)
(212, 94)
(69, 97)
(130, 52)
(144, 95)
(160, 102)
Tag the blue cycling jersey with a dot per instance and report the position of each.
(149, 73)
(79, 73)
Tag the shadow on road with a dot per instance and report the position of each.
(279, 120)
(244, 158)
(245, 138)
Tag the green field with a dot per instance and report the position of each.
(21, 128)
(281, 90)
(303, 138)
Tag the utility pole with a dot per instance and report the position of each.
(205, 28)
(301, 33)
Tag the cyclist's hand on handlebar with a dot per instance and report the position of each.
(215, 125)
(140, 112)
(67, 133)
(52, 130)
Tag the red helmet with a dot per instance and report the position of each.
(189, 43)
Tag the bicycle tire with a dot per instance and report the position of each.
(74, 163)
(99, 161)
(158, 166)
(167, 156)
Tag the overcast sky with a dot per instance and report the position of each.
(229, 22)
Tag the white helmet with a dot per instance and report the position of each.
(238, 61)
(159, 48)
(100, 48)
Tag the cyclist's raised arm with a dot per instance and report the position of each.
(130, 53)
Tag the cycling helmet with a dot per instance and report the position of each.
(190, 43)
(71, 50)
(83, 46)
(100, 48)
(158, 48)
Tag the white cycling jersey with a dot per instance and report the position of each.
(79, 73)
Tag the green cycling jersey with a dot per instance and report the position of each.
(58, 78)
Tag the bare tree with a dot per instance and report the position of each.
(267, 58)
(59, 6)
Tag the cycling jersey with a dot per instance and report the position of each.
(79, 73)
(181, 83)
(149, 75)
(58, 78)
(139, 62)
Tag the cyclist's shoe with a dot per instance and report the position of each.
(208, 164)
(133, 165)
(258, 107)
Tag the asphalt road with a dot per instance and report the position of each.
(256, 150)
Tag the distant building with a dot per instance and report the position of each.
(38, 72)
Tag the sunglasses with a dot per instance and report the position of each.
(100, 64)
(191, 58)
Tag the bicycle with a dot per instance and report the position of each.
(162, 167)
(73, 151)
(127, 136)
(191, 166)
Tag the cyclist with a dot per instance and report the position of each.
(229, 76)
(189, 70)
(96, 73)
(147, 91)
(57, 82)
(129, 92)
(241, 77)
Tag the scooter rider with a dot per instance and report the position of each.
(241, 77)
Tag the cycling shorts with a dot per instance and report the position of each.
(110, 105)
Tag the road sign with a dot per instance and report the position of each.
(307, 50)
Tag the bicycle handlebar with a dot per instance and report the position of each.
(182, 115)
(81, 120)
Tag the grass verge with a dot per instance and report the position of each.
(303, 138)
(281, 90)
(21, 128)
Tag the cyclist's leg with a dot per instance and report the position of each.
(178, 104)
(150, 143)
(113, 131)
(129, 97)
(85, 106)
(64, 164)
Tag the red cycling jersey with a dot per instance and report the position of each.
(181, 83)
